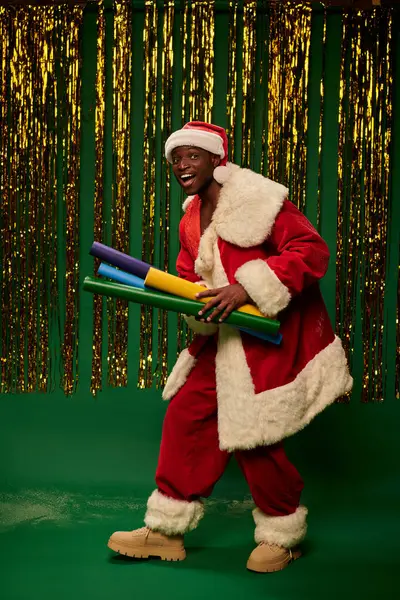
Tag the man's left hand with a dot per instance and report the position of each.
(224, 301)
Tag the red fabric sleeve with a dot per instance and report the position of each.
(301, 256)
(293, 257)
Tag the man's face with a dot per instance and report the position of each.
(193, 168)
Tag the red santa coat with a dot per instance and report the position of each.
(259, 239)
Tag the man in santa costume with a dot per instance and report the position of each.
(230, 392)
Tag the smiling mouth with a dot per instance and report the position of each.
(187, 179)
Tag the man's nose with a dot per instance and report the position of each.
(183, 164)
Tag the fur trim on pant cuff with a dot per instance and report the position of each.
(170, 516)
(285, 531)
(263, 286)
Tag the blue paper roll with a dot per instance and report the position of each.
(120, 276)
(274, 339)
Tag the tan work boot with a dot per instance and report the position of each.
(267, 558)
(145, 543)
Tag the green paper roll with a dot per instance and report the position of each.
(174, 303)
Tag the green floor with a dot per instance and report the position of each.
(73, 471)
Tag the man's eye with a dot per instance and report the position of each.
(194, 156)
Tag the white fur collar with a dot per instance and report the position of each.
(247, 207)
(187, 202)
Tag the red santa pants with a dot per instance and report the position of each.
(191, 461)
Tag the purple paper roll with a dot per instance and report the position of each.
(119, 259)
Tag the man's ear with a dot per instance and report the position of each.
(215, 159)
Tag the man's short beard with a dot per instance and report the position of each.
(205, 185)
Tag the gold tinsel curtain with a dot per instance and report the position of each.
(39, 183)
(292, 109)
(365, 131)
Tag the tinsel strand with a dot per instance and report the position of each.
(201, 76)
(295, 100)
(300, 153)
(264, 85)
(388, 61)
(378, 117)
(122, 70)
(36, 118)
(355, 141)
(149, 158)
(248, 81)
(5, 229)
(53, 133)
(287, 91)
(345, 218)
(274, 96)
(368, 125)
(185, 52)
(231, 98)
(184, 34)
(321, 123)
(98, 205)
(12, 256)
(166, 129)
(289, 47)
(347, 190)
(341, 199)
(207, 59)
(70, 67)
(26, 129)
(46, 22)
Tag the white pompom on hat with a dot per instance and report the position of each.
(221, 174)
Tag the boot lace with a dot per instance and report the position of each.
(142, 531)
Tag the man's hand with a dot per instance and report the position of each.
(224, 300)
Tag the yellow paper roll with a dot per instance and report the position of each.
(164, 282)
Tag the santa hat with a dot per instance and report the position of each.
(202, 135)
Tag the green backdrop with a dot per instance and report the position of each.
(73, 469)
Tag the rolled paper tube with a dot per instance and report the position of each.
(175, 303)
(274, 339)
(132, 280)
(120, 259)
(185, 289)
(120, 276)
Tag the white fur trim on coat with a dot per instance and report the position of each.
(248, 205)
(199, 327)
(179, 374)
(286, 531)
(247, 420)
(204, 264)
(170, 516)
(263, 286)
(187, 202)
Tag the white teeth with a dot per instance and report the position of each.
(188, 176)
